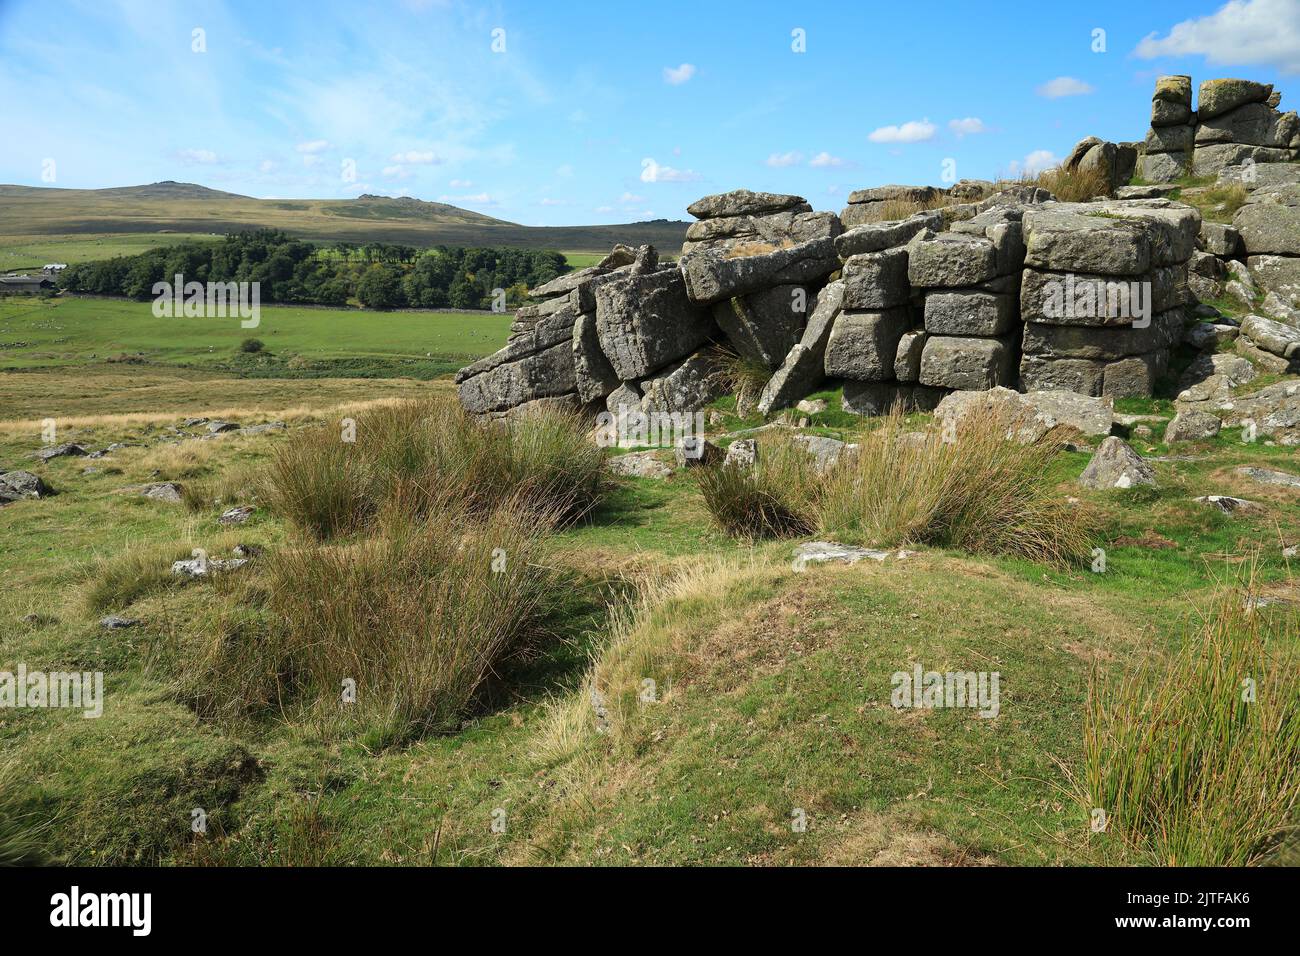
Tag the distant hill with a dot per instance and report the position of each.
(189, 208)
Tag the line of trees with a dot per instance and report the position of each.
(378, 275)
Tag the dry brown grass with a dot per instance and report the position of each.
(756, 248)
(893, 209)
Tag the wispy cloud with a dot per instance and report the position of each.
(969, 126)
(677, 75)
(824, 160)
(652, 172)
(1063, 86)
(781, 160)
(913, 131)
(197, 157)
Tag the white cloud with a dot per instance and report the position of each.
(310, 160)
(967, 127)
(825, 160)
(631, 199)
(1063, 86)
(552, 202)
(196, 157)
(784, 159)
(604, 209)
(676, 76)
(913, 131)
(416, 158)
(461, 183)
(265, 166)
(313, 146)
(652, 172)
(396, 172)
(1036, 162)
(1243, 31)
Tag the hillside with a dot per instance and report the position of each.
(173, 207)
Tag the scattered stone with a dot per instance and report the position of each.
(812, 406)
(67, 449)
(22, 484)
(216, 428)
(237, 515)
(265, 428)
(1117, 465)
(1192, 426)
(821, 552)
(203, 567)
(1269, 477)
(1229, 505)
(193, 422)
(162, 491)
(693, 451)
(825, 452)
(741, 453)
(639, 464)
(247, 550)
(1275, 337)
(116, 623)
(1150, 191)
(1035, 413)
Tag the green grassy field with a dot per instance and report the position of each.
(774, 682)
(39, 333)
(23, 253)
(772, 696)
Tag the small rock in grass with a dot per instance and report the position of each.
(811, 406)
(116, 623)
(824, 551)
(162, 491)
(1269, 477)
(237, 515)
(1228, 504)
(203, 567)
(639, 464)
(694, 451)
(741, 453)
(60, 451)
(1117, 465)
(216, 428)
(1192, 426)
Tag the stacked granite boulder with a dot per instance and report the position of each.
(1238, 120)
(1167, 151)
(1235, 121)
(1114, 163)
(1103, 294)
(625, 321)
(763, 313)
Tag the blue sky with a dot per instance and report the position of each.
(591, 112)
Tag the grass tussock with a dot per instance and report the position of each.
(1196, 759)
(976, 488)
(1070, 185)
(118, 580)
(774, 498)
(651, 638)
(22, 833)
(982, 492)
(1218, 203)
(414, 455)
(891, 210)
(740, 376)
(415, 616)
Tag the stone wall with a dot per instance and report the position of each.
(1235, 121)
(997, 286)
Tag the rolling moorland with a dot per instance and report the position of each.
(56, 224)
(773, 682)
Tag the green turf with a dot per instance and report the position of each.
(36, 333)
